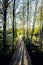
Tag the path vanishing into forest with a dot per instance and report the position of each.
(21, 56)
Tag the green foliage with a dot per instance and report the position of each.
(36, 30)
(40, 14)
(9, 40)
(16, 41)
(19, 31)
(1, 31)
(9, 31)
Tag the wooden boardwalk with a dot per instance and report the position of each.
(20, 56)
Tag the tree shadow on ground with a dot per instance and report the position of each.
(35, 54)
(5, 56)
(5, 59)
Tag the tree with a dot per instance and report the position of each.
(27, 16)
(13, 20)
(22, 15)
(39, 19)
(15, 6)
(41, 24)
(34, 19)
(5, 4)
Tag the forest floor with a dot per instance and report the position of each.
(35, 54)
(23, 55)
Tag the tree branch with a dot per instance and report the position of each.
(10, 2)
(1, 3)
(1, 11)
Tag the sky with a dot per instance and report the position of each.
(32, 14)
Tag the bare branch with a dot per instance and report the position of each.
(1, 3)
(10, 2)
(1, 11)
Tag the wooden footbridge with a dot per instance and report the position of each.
(21, 56)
